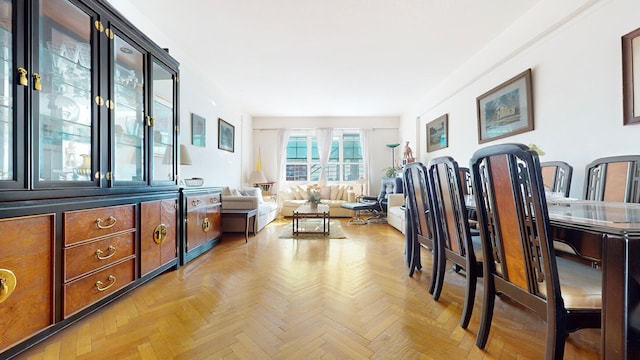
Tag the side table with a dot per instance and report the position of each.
(246, 214)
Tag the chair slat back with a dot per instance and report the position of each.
(556, 176)
(450, 211)
(614, 178)
(514, 223)
(417, 199)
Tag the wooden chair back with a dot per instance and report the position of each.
(519, 257)
(615, 178)
(419, 218)
(556, 176)
(451, 222)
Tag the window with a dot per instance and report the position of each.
(345, 162)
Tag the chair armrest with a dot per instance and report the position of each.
(395, 200)
(239, 202)
(369, 198)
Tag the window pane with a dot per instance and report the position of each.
(315, 172)
(314, 150)
(296, 172)
(334, 155)
(297, 149)
(333, 172)
(353, 172)
(352, 148)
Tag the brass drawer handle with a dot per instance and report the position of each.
(111, 249)
(111, 278)
(111, 223)
(160, 233)
(7, 284)
(195, 202)
(206, 225)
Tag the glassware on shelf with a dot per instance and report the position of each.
(84, 54)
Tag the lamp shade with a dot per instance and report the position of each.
(257, 177)
(185, 158)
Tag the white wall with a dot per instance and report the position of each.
(384, 131)
(216, 166)
(574, 50)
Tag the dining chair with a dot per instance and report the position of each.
(613, 178)
(556, 176)
(519, 258)
(454, 241)
(419, 219)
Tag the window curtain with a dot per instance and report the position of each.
(283, 140)
(365, 139)
(324, 138)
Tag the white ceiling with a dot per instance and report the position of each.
(330, 57)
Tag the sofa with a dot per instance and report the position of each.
(395, 212)
(247, 198)
(333, 195)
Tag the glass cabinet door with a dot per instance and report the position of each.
(7, 122)
(128, 113)
(66, 151)
(162, 113)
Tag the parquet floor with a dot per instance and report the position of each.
(302, 299)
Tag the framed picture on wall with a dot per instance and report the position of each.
(438, 133)
(506, 110)
(198, 130)
(226, 135)
(631, 77)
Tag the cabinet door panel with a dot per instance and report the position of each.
(154, 214)
(63, 95)
(128, 115)
(26, 249)
(163, 124)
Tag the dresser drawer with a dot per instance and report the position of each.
(198, 201)
(85, 291)
(83, 225)
(87, 257)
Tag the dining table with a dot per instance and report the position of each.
(608, 235)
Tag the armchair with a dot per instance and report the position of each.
(379, 204)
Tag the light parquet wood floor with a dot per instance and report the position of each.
(302, 299)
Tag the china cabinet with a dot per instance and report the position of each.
(88, 172)
(202, 216)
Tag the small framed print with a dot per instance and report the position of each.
(226, 136)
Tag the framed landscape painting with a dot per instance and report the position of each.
(226, 135)
(506, 109)
(631, 77)
(438, 133)
(198, 130)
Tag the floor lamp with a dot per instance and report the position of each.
(393, 154)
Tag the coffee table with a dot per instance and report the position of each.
(302, 216)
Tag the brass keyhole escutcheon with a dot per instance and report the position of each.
(160, 233)
(8, 283)
(206, 225)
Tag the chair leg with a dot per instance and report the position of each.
(434, 270)
(556, 337)
(488, 301)
(440, 262)
(469, 295)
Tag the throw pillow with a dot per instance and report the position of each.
(226, 191)
(340, 192)
(334, 192)
(325, 192)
